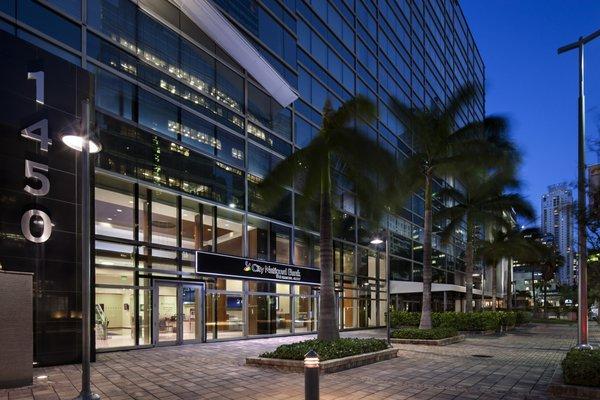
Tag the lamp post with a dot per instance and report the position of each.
(582, 320)
(377, 240)
(84, 144)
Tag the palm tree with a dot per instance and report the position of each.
(440, 149)
(338, 151)
(482, 201)
(507, 244)
(550, 261)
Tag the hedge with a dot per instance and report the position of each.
(327, 350)
(438, 333)
(580, 367)
(476, 321)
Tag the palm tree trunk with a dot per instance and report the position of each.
(328, 326)
(426, 306)
(509, 274)
(494, 291)
(469, 257)
(545, 298)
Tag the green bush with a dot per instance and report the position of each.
(327, 350)
(507, 318)
(523, 317)
(404, 318)
(477, 321)
(427, 334)
(580, 367)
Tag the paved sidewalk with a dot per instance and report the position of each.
(518, 365)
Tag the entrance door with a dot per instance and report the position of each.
(178, 313)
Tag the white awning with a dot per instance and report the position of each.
(208, 18)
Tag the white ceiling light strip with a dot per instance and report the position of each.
(208, 18)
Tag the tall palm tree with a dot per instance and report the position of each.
(507, 244)
(440, 148)
(482, 201)
(338, 151)
(550, 261)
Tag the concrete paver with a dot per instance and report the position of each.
(517, 365)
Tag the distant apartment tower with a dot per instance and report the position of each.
(557, 220)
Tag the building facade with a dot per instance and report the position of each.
(557, 220)
(189, 125)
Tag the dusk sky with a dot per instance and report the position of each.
(536, 88)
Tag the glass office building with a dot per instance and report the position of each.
(188, 129)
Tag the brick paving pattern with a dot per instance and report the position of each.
(517, 365)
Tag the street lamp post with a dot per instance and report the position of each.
(377, 240)
(582, 324)
(82, 142)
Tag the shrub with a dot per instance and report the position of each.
(327, 350)
(477, 321)
(580, 367)
(507, 318)
(427, 334)
(404, 318)
(523, 317)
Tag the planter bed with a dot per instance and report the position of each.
(329, 366)
(430, 342)
(478, 333)
(560, 389)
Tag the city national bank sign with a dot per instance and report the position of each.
(246, 268)
(40, 97)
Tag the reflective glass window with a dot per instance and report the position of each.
(113, 207)
(49, 22)
(114, 94)
(196, 225)
(157, 114)
(229, 232)
(71, 7)
(115, 18)
(164, 218)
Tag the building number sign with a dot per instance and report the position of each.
(35, 171)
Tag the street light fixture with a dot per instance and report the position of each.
(582, 324)
(86, 145)
(377, 240)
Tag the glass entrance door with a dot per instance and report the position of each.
(178, 316)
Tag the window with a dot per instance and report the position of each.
(50, 23)
(268, 241)
(229, 232)
(157, 114)
(261, 162)
(196, 225)
(164, 218)
(114, 94)
(114, 208)
(264, 110)
(116, 18)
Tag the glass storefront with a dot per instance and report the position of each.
(131, 262)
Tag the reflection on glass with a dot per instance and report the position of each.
(306, 314)
(191, 313)
(164, 218)
(268, 315)
(224, 316)
(229, 232)
(145, 316)
(167, 314)
(114, 318)
(196, 225)
(113, 207)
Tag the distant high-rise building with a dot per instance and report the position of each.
(557, 220)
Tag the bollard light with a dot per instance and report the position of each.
(311, 375)
(311, 359)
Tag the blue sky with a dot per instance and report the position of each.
(534, 87)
